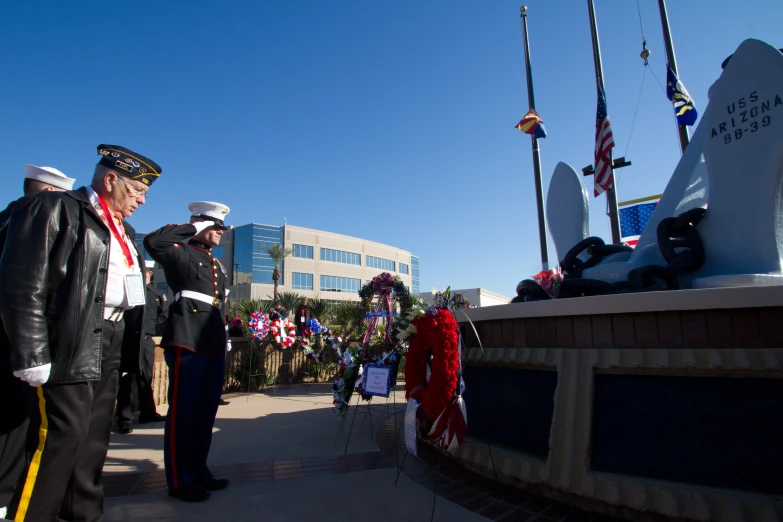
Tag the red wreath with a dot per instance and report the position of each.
(438, 333)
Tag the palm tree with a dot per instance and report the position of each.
(243, 309)
(289, 300)
(321, 309)
(278, 253)
(348, 315)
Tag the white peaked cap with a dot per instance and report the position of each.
(48, 175)
(209, 210)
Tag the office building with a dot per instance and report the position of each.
(322, 264)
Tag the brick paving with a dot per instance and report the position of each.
(123, 484)
(474, 492)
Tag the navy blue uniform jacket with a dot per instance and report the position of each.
(193, 325)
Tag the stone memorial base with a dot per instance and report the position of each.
(646, 406)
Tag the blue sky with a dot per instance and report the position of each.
(387, 121)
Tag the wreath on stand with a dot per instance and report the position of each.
(352, 360)
(311, 333)
(433, 373)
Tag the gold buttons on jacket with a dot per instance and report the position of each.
(194, 310)
(200, 263)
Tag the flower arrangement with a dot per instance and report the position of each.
(279, 330)
(283, 332)
(349, 369)
(258, 325)
(550, 281)
(433, 368)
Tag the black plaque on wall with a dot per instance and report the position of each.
(511, 406)
(712, 431)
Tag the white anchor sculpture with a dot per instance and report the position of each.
(734, 161)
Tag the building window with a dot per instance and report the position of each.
(340, 284)
(251, 263)
(404, 269)
(415, 275)
(339, 256)
(377, 262)
(302, 251)
(302, 281)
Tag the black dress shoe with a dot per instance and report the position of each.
(191, 494)
(223, 403)
(214, 484)
(144, 419)
(125, 428)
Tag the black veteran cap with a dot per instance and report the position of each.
(129, 163)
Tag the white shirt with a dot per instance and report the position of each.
(116, 293)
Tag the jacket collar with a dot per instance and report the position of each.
(200, 246)
(82, 195)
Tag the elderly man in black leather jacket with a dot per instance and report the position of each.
(68, 271)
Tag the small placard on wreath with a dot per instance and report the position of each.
(377, 379)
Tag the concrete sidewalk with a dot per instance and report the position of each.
(294, 424)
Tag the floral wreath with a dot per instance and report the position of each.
(308, 339)
(258, 325)
(283, 331)
(435, 346)
(349, 369)
(382, 285)
(279, 330)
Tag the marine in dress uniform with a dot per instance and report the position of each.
(195, 342)
(68, 272)
(13, 421)
(138, 357)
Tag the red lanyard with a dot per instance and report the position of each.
(115, 231)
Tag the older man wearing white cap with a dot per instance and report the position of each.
(13, 422)
(39, 179)
(195, 342)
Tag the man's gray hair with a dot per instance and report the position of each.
(100, 173)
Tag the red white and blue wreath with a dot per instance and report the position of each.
(258, 325)
(280, 330)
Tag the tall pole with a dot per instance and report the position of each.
(685, 138)
(611, 194)
(536, 153)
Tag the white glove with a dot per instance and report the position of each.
(35, 376)
(228, 346)
(201, 225)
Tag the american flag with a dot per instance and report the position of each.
(603, 145)
(633, 219)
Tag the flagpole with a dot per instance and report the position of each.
(611, 194)
(685, 138)
(536, 153)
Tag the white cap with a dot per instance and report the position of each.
(49, 175)
(150, 265)
(209, 211)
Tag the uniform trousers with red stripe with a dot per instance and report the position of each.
(195, 385)
(67, 441)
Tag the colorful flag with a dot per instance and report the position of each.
(633, 219)
(532, 124)
(684, 108)
(602, 179)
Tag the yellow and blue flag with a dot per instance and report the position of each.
(684, 108)
(532, 124)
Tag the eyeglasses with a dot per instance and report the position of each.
(134, 192)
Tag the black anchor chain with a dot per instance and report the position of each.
(680, 245)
